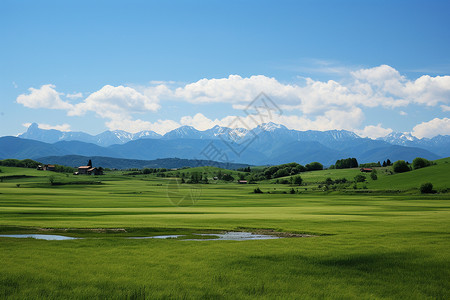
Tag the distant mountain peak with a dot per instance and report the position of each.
(270, 126)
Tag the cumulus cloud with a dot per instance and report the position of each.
(44, 97)
(385, 80)
(111, 101)
(62, 127)
(432, 128)
(314, 104)
(374, 132)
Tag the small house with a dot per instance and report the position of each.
(366, 170)
(83, 169)
(242, 181)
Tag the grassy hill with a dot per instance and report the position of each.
(438, 175)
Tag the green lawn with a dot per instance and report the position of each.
(367, 246)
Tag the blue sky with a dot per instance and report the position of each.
(368, 66)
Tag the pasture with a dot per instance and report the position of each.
(370, 246)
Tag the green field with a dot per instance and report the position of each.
(368, 243)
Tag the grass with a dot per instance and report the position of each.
(367, 246)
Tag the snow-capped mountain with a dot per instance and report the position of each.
(399, 138)
(105, 138)
(439, 144)
(266, 144)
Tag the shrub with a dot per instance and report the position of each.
(426, 188)
(360, 178)
(373, 175)
(400, 166)
(227, 177)
(292, 191)
(257, 191)
(420, 162)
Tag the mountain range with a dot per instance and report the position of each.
(264, 145)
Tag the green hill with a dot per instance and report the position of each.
(438, 175)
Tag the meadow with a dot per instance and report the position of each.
(368, 243)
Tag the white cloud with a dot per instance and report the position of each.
(374, 132)
(432, 128)
(234, 89)
(386, 82)
(44, 97)
(74, 95)
(445, 107)
(319, 105)
(62, 127)
(110, 101)
(199, 121)
(402, 113)
(133, 126)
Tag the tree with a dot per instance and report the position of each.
(388, 162)
(227, 177)
(100, 171)
(420, 162)
(384, 164)
(346, 163)
(373, 174)
(281, 173)
(314, 166)
(400, 166)
(426, 188)
(298, 180)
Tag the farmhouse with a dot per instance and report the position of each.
(242, 181)
(366, 170)
(87, 170)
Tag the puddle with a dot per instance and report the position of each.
(227, 236)
(235, 236)
(47, 237)
(174, 236)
